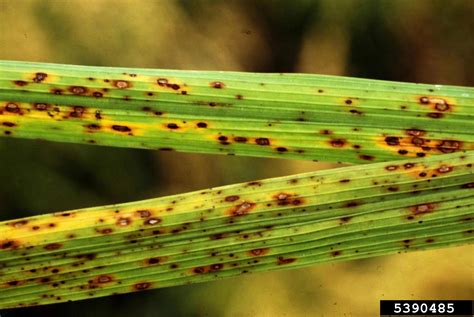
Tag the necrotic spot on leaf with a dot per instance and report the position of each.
(392, 140)
(39, 77)
(217, 84)
(283, 261)
(121, 128)
(142, 286)
(12, 107)
(53, 246)
(242, 209)
(262, 141)
(231, 198)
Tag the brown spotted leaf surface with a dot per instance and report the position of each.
(288, 222)
(299, 116)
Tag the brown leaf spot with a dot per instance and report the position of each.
(336, 253)
(283, 261)
(415, 132)
(262, 141)
(123, 222)
(442, 106)
(152, 221)
(366, 157)
(468, 185)
(422, 209)
(391, 167)
(12, 107)
(105, 231)
(141, 286)
(354, 111)
(19, 224)
(240, 139)
(392, 140)
(162, 82)
(216, 267)
(77, 112)
(345, 219)
(9, 244)
(445, 169)
(41, 106)
(20, 83)
(337, 142)
(449, 146)
(325, 132)
(102, 279)
(39, 77)
(200, 269)
(255, 183)
(201, 125)
(172, 126)
(56, 91)
(122, 84)
(281, 149)
(92, 126)
(352, 204)
(13, 283)
(217, 236)
(241, 209)
(232, 198)
(424, 100)
(121, 128)
(217, 84)
(435, 115)
(154, 261)
(417, 141)
(259, 252)
(143, 213)
(78, 90)
(53, 246)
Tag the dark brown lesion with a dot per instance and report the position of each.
(142, 286)
(78, 90)
(449, 146)
(338, 143)
(285, 199)
(422, 209)
(77, 112)
(262, 141)
(20, 83)
(392, 140)
(8, 124)
(12, 107)
(217, 84)
(282, 260)
(259, 252)
(121, 128)
(39, 77)
(9, 244)
(121, 84)
(241, 209)
(53, 246)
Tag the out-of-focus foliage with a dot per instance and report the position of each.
(421, 41)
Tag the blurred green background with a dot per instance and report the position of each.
(406, 40)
